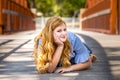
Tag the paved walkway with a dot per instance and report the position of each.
(16, 62)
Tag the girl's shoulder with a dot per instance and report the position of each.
(71, 35)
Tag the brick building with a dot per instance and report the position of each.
(102, 16)
(15, 15)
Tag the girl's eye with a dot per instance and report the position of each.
(65, 29)
(59, 30)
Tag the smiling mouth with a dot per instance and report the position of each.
(63, 37)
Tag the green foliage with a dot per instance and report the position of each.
(70, 6)
(64, 8)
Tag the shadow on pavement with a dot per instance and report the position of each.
(9, 53)
(102, 65)
(24, 68)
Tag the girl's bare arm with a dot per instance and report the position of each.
(76, 67)
(56, 58)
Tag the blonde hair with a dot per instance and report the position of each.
(44, 51)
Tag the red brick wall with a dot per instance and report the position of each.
(118, 16)
(100, 16)
(0, 17)
(16, 16)
(98, 6)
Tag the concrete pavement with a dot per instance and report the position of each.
(16, 62)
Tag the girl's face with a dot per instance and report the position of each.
(61, 32)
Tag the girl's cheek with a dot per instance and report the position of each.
(58, 34)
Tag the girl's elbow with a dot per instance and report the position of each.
(50, 68)
(50, 71)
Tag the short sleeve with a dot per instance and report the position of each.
(79, 52)
(39, 41)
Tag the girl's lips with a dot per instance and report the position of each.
(62, 36)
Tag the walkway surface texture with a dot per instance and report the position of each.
(16, 61)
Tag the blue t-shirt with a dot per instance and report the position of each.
(80, 51)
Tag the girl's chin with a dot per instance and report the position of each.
(63, 40)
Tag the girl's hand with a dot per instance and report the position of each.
(57, 40)
(63, 70)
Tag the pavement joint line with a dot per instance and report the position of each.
(5, 42)
(12, 51)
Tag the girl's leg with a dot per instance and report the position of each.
(93, 57)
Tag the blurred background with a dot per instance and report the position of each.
(97, 22)
(92, 15)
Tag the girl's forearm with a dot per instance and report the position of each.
(56, 58)
(80, 66)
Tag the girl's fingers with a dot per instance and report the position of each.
(57, 39)
(60, 71)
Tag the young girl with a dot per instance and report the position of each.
(58, 50)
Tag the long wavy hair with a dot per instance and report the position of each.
(43, 52)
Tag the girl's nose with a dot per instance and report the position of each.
(64, 33)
